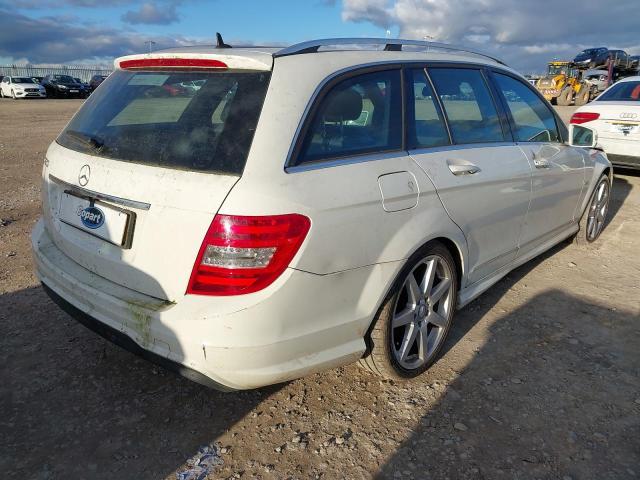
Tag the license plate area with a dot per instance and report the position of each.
(108, 222)
(625, 128)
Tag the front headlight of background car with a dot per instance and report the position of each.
(62, 87)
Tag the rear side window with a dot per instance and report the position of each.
(532, 118)
(184, 120)
(362, 114)
(470, 110)
(426, 127)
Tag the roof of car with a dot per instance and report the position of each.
(354, 50)
(635, 78)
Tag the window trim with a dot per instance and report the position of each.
(505, 104)
(316, 101)
(502, 119)
(291, 165)
(410, 97)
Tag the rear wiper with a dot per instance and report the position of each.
(87, 140)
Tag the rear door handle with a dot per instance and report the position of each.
(463, 169)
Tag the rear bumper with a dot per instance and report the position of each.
(628, 161)
(122, 340)
(301, 324)
(620, 151)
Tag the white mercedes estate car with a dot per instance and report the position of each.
(615, 116)
(306, 207)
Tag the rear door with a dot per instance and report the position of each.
(558, 173)
(482, 177)
(135, 179)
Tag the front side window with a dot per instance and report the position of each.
(470, 110)
(362, 114)
(533, 120)
(426, 127)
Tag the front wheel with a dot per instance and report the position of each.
(565, 97)
(414, 321)
(595, 216)
(582, 97)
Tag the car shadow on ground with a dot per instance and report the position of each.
(621, 190)
(76, 406)
(562, 404)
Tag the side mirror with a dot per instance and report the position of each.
(580, 136)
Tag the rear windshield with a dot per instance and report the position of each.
(188, 120)
(625, 91)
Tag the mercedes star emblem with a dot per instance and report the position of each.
(83, 176)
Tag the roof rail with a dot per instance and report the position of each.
(390, 44)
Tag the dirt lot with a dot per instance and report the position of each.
(539, 379)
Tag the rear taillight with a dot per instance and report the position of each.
(245, 254)
(584, 117)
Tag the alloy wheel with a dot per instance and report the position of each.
(422, 313)
(598, 210)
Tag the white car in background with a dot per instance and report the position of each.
(306, 207)
(21, 87)
(615, 116)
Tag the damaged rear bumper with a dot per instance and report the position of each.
(301, 324)
(124, 341)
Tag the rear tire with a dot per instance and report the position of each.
(565, 97)
(582, 97)
(411, 326)
(595, 215)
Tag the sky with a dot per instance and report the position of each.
(524, 33)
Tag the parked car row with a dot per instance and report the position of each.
(603, 57)
(52, 86)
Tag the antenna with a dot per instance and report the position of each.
(220, 42)
(149, 44)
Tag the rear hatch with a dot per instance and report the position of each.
(135, 179)
(619, 109)
(618, 121)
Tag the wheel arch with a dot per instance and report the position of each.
(457, 253)
(601, 166)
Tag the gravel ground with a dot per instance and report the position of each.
(539, 378)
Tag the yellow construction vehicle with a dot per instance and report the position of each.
(564, 84)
